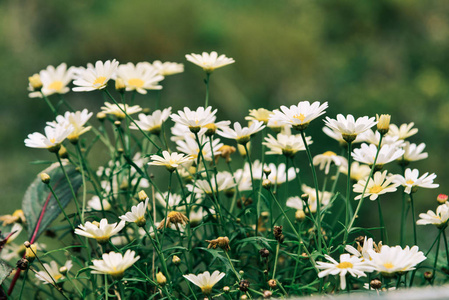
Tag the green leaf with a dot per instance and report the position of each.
(5, 270)
(39, 200)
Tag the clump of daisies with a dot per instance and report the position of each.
(147, 199)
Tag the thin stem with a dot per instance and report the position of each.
(403, 216)
(315, 182)
(348, 229)
(415, 240)
(60, 206)
(276, 261)
(383, 230)
(348, 186)
(446, 246)
(206, 81)
(49, 104)
(80, 158)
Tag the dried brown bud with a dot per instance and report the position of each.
(226, 151)
(22, 264)
(264, 252)
(376, 284)
(272, 283)
(267, 294)
(222, 242)
(277, 232)
(244, 285)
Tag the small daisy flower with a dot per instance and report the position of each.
(54, 136)
(413, 152)
(410, 181)
(167, 68)
(205, 281)
(311, 202)
(118, 110)
(209, 62)
(152, 123)
(403, 132)
(349, 127)
(377, 185)
(336, 135)
(367, 153)
(392, 260)
(326, 159)
(299, 116)
(94, 78)
(438, 219)
(373, 137)
(137, 214)
(170, 160)
(191, 147)
(95, 203)
(194, 120)
(358, 171)
(284, 144)
(174, 200)
(225, 181)
(243, 179)
(241, 134)
(54, 272)
(77, 120)
(100, 231)
(355, 266)
(114, 264)
(361, 251)
(139, 77)
(261, 115)
(54, 80)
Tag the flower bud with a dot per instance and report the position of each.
(35, 82)
(211, 129)
(161, 279)
(376, 284)
(101, 116)
(300, 215)
(22, 264)
(176, 260)
(30, 252)
(442, 198)
(272, 283)
(266, 183)
(244, 285)
(63, 152)
(267, 294)
(383, 123)
(142, 195)
(264, 252)
(63, 270)
(226, 289)
(45, 178)
(120, 85)
(267, 171)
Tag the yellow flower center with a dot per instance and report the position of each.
(56, 85)
(206, 289)
(410, 181)
(329, 153)
(301, 117)
(388, 266)
(52, 140)
(136, 82)
(57, 277)
(376, 189)
(100, 80)
(345, 265)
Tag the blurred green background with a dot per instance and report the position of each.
(363, 57)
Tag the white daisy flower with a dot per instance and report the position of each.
(410, 181)
(114, 264)
(336, 135)
(194, 120)
(205, 280)
(358, 171)
(174, 200)
(278, 174)
(118, 110)
(373, 137)
(367, 153)
(326, 159)
(95, 204)
(137, 213)
(241, 135)
(54, 272)
(285, 144)
(225, 181)
(77, 120)
(377, 185)
(152, 123)
(209, 62)
(170, 160)
(311, 202)
(349, 127)
(190, 147)
(439, 218)
(402, 132)
(261, 115)
(243, 179)
(94, 78)
(355, 266)
(54, 80)
(100, 231)
(167, 68)
(362, 251)
(413, 152)
(299, 116)
(391, 260)
(54, 136)
(139, 77)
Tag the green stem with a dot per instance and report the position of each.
(415, 240)
(446, 246)
(348, 185)
(315, 182)
(60, 206)
(80, 158)
(383, 230)
(276, 260)
(403, 216)
(206, 81)
(49, 104)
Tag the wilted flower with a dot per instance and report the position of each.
(222, 242)
(17, 217)
(173, 218)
